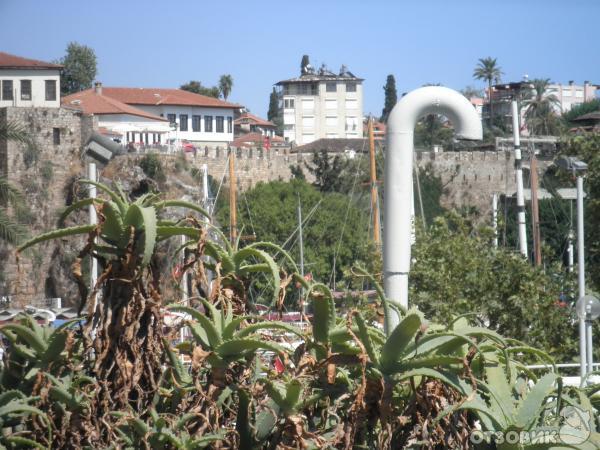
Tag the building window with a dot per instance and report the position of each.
(350, 87)
(220, 124)
(196, 126)
(288, 103)
(309, 89)
(7, 90)
(56, 136)
(50, 90)
(25, 89)
(287, 90)
(208, 124)
(331, 86)
(183, 122)
(172, 118)
(230, 124)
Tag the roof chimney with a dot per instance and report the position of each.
(98, 88)
(570, 82)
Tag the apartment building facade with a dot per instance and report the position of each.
(321, 104)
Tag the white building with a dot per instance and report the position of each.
(320, 104)
(119, 120)
(28, 82)
(196, 118)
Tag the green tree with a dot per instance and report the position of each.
(270, 211)
(581, 109)
(297, 172)
(80, 68)
(330, 172)
(432, 131)
(586, 147)
(471, 91)
(225, 85)
(304, 63)
(487, 69)
(11, 230)
(540, 115)
(197, 88)
(274, 112)
(391, 97)
(457, 271)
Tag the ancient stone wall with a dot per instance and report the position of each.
(43, 171)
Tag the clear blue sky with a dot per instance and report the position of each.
(164, 44)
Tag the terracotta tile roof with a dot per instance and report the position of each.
(334, 145)
(251, 119)
(91, 103)
(159, 96)
(8, 61)
(253, 139)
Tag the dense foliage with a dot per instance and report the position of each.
(456, 271)
(335, 232)
(343, 383)
(586, 147)
(80, 68)
(197, 88)
(390, 97)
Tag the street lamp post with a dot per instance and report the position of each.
(578, 168)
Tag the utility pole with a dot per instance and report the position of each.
(92, 176)
(374, 193)
(495, 218)
(232, 198)
(301, 244)
(535, 212)
(581, 275)
(519, 171)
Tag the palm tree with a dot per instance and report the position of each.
(225, 85)
(540, 115)
(10, 230)
(487, 69)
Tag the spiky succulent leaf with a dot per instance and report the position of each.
(397, 342)
(78, 205)
(57, 234)
(239, 347)
(248, 252)
(252, 328)
(181, 204)
(27, 335)
(532, 405)
(324, 312)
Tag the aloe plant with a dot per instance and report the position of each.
(222, 334)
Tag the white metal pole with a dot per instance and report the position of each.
(570, 251)
(589, 346)
(495, 218)
(581, 275)
(92, 176)
(519, 170)
(301, 244)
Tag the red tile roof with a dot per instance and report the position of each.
(91, 103)
(254, 139)
(158, 96)
(8, 61)
(251, 119)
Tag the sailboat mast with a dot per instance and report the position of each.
(374, 194)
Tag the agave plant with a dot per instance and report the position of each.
(223, 338)
(126, 321)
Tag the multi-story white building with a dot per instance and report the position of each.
(320, 104)
(28, 83)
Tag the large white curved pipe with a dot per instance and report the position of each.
(398, 177)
